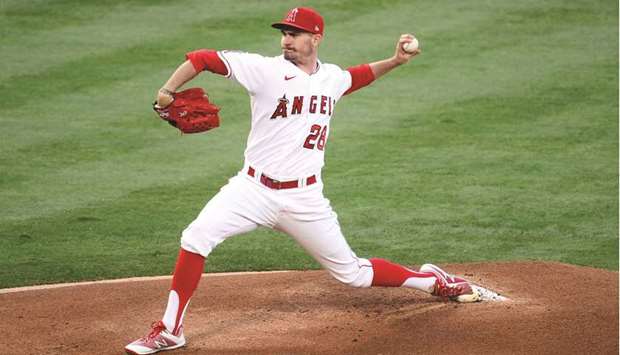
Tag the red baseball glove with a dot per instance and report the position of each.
(190, 111)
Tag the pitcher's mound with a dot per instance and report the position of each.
(552, 308)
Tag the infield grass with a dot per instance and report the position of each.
(499, 142)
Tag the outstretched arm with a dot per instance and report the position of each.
(400, 57)
(365, 74)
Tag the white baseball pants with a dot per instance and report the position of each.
(303, 213)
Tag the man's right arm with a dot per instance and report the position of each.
(197, 61)
(184, 73)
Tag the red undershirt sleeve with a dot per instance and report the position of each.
(207, 59)
(361, 75)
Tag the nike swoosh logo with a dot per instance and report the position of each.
(289, 77)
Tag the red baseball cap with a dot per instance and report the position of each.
(303, 18)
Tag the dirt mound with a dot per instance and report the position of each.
(554, 309)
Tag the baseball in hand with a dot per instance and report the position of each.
(410, 47)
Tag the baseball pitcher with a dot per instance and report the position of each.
(292, 97)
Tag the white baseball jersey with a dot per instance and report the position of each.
(291, 111)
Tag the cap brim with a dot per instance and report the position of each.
(284, 26)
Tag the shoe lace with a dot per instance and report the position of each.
(454, 290)
(157, 327)
(446, 290)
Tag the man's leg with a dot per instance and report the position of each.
(239, 207)
(187, 273)
(324, 241)
(389, 274)
(315, 227)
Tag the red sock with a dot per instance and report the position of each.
(394, 275)
(187, 274)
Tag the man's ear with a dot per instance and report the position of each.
(316, 39)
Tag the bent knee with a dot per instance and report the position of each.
(195, 242)
(356, 283)
(361, 278)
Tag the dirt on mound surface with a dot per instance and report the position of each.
(554, 309)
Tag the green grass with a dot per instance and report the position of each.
(499, 142)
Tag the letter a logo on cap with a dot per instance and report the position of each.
(302, 18)
(292, 15)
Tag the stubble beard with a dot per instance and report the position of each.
(295, 56)
(289, 55)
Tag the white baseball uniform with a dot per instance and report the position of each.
(280, 184)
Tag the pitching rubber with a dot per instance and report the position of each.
(485, 294)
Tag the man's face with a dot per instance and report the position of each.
(298, 45)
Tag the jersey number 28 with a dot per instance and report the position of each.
(316, 131)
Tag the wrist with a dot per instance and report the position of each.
(164, 97)
(166, 92)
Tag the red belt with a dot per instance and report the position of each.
(279, 185)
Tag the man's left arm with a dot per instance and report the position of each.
(400, 57)
(365, 74)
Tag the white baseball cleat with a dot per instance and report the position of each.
(159, 339)
(452, 287)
